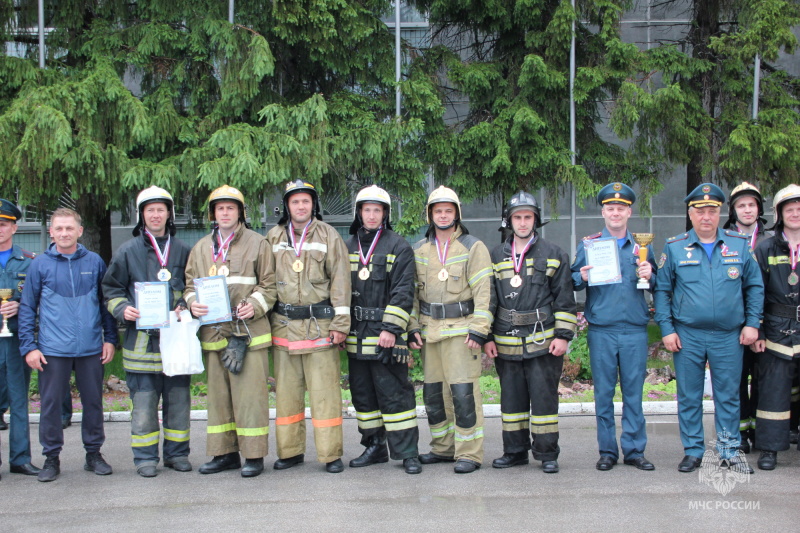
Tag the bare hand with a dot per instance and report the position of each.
(130, 313)
(472, 344)
(36, 360)
(672, 342)
(387, 339)
(178, 310)
(645, 270)
(337, 338)
(585, 272)
(759, 346)
(415, 341)
(245, 311)
(558, 347)
(108, 353)
(748, 336)
(198, 309)
(9, 309)
(490, 348)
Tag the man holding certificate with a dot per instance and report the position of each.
(617, 314)
(534, 320)
(310, 322)
(152, 263)
(235, 339)
(709, 302)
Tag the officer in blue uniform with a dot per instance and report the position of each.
(709, 301)
(617, 314)
(14, 263)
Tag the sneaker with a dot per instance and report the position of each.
(95, 463)
(50, 470)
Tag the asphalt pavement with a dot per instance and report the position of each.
(384, 498)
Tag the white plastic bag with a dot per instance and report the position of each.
(180, 348)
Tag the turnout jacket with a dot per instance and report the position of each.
(251, 278)
(782, 333)
(136, 261)
(469, 270)
(13, 276)
(325, 278)
(66, 296)
(546, 283)
(723, 294)
(615, 303)
(390, 287)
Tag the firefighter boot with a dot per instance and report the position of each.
(375, 453)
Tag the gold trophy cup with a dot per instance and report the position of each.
(643, 239)
(5, 294)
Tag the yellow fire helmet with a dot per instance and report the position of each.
(743, 189)
(442, 194)
(788, 193)
(151, 195)
(297, 186)
(372, 194)
(226, 192)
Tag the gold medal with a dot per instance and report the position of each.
(223, 271)
(164, 275)
(213, 270)
(443, 275)
(516, 281)
(297, 266)
(793, 279)
(363, 274)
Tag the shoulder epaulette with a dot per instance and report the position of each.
(592, 236)
(731, 233)
(468, 240)
(677, 238)
(29, 255)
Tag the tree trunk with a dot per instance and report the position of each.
(96, 225)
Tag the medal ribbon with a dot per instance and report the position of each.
(752, 237)
(162, 257)
(223, 248)
(518, 263)
(298, 247)
(365, 258)
(794, 253)
(442, 253)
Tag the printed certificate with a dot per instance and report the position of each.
(213, 292)
(152, 301)
(603, 256)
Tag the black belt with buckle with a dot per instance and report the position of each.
(300, 312)
(783, 311)
(442, 311)
(368, 314)
(524, 318)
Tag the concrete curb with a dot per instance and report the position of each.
(489, 411)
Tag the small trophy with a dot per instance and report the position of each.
(5, 294)
(643, 239)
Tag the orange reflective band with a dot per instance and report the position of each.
(301, 345)
(287, 420)
(327, 423)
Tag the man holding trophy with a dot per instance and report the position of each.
(617, 314)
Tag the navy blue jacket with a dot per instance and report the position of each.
(616, 303)
(13, 276)
(67, 296)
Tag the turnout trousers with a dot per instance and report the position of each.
(53, 386)
(724, 355)
(319, 373)
(529, 395)
(453, 398)
(147, 389)
(238, 406)
(775, 377)
(17, 377)
(619, 350)
(748, 393)
(385, 405)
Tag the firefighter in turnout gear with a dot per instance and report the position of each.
(746, 215)
(534, 320)
(453, 292)
(236, 351)
(382, 276)
(618, 315)
(310, 321)
(153, 254)
(779, 342)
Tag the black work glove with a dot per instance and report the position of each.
(232, 357)
(385, 356)
(400, 354)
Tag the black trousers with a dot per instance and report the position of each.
(775, 378)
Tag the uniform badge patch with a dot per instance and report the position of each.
(662, 260)
(733, 272)
(20, 285)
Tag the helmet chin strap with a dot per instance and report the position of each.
(523, 236)
(442, 228)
